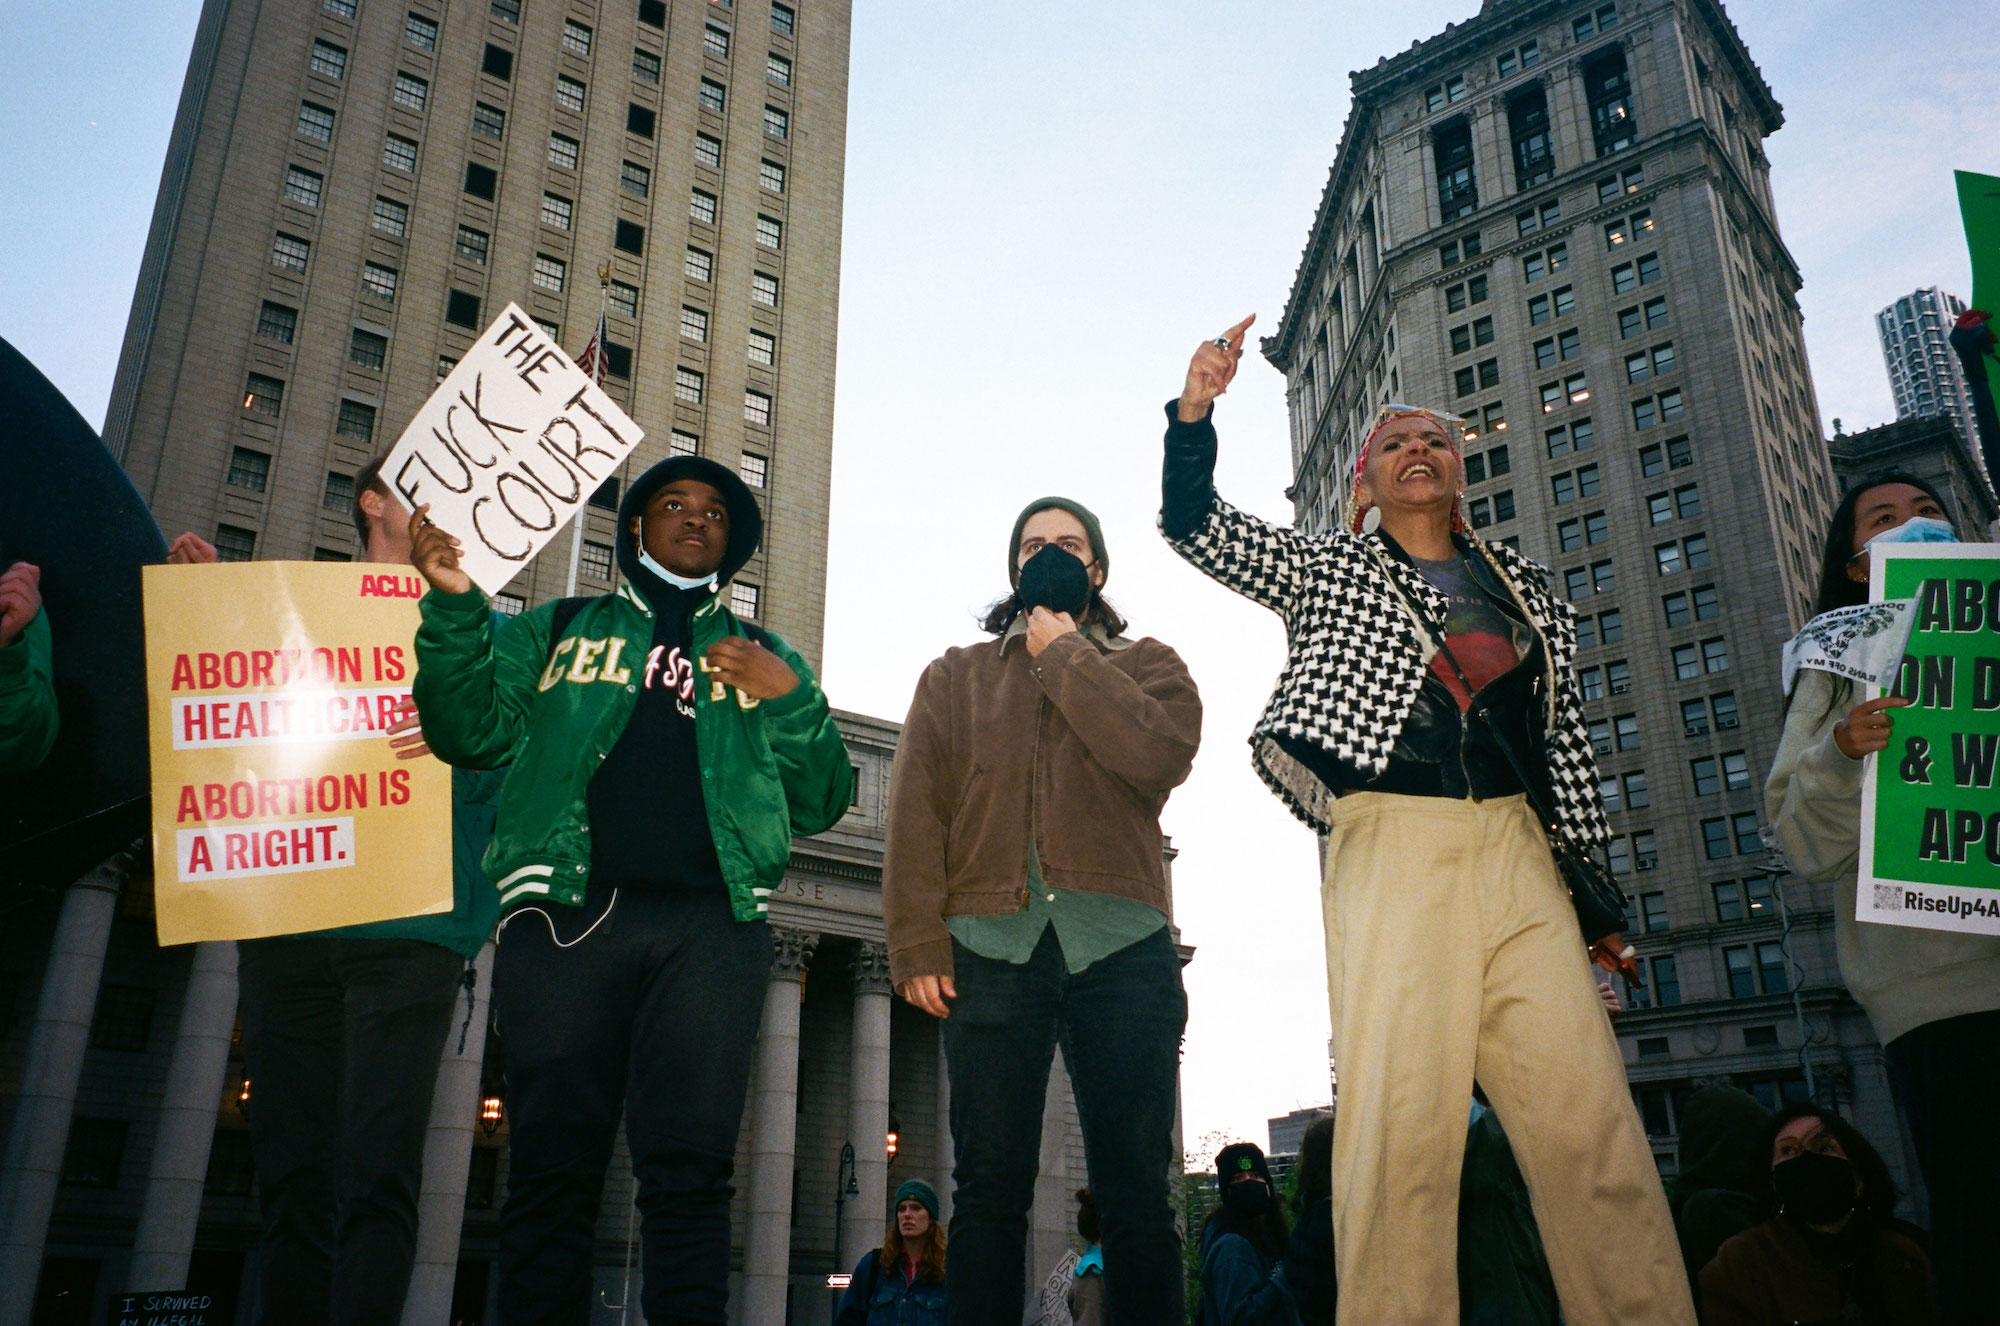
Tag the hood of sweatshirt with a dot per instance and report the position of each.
(746, 520)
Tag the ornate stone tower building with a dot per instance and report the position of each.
(1556, 220)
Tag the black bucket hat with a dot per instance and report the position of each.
(746, 521)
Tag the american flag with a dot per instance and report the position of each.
(591, 360)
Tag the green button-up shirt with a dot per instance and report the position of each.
(1089, 926)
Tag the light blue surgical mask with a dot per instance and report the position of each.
(1917, 529)
(678, 582)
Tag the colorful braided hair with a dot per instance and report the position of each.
(1454, 428)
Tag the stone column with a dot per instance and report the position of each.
(862, 1217)
(188, 1105)
(448, 1156)
(1492, 150)
(774, 1105)
(1569, 117)
(947, 1155)
(40, 1131)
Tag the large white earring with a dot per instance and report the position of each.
(1371, 520)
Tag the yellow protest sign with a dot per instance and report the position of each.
(278, 805)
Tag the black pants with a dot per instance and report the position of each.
(1119, 1022)
(1947, 1077)
(341, 1041)
(650, 1012)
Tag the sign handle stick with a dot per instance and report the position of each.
(597, 371)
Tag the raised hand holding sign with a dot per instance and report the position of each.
(504, 454)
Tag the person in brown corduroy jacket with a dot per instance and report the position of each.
(1024, 893)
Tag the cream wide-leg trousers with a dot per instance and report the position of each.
(1452, 954)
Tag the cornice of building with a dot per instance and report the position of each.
(1922, 432)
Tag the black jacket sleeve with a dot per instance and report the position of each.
(1187, 481)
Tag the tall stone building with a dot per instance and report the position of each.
(354, 189)
(1555, 219)
(1924, 373)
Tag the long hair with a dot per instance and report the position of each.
(930, 1258)
(1878, 1189)
(1315, 1165)
(1837, 553)
(1000, 614)
(1836, 590)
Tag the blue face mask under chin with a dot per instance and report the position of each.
(1917, 529)
(678, 582)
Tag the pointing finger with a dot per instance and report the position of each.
(1236, 333)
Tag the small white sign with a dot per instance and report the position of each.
(509, 448)
(1864, 643)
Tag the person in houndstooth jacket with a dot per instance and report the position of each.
(1428, 693)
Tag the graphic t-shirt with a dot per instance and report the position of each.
(648, 818)
(1486, 642)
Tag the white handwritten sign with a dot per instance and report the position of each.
(509, 448)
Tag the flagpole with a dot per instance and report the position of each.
(597, 375)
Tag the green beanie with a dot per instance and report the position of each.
(919, 1191)
(1084, 516)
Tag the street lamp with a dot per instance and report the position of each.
(491, 1110)
(844, 1187)
(895, 1133)
(243, 1098)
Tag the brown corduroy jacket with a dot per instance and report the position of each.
(1074, 752)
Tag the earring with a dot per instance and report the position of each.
(1371, 520)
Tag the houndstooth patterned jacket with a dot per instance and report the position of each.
(1358, 657)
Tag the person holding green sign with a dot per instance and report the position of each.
(1932, 995)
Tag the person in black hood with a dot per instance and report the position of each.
(1241, 1244)
(1723, 1166)
(664, 754)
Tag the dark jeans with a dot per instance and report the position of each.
(1119, 1022)
(653, 1015)
(1947, 1077)
(341, 1041)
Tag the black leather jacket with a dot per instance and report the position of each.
(1442, 753)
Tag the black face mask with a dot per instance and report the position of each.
(1814, 1187)
(1056, 580)
(1248, 1198)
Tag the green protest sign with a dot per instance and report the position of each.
(1930, 807)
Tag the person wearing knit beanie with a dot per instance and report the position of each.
(1069, 587)
(902, 1282)
(916, 1190)
(1024, 896)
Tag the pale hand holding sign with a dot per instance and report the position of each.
(509, 448)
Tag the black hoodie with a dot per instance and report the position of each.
(648, 819)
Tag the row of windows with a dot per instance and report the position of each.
(1735, 900)
(1608, 93)
(291, 253)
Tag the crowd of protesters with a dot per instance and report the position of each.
(622, 841)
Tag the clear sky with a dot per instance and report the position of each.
(1047, 206)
